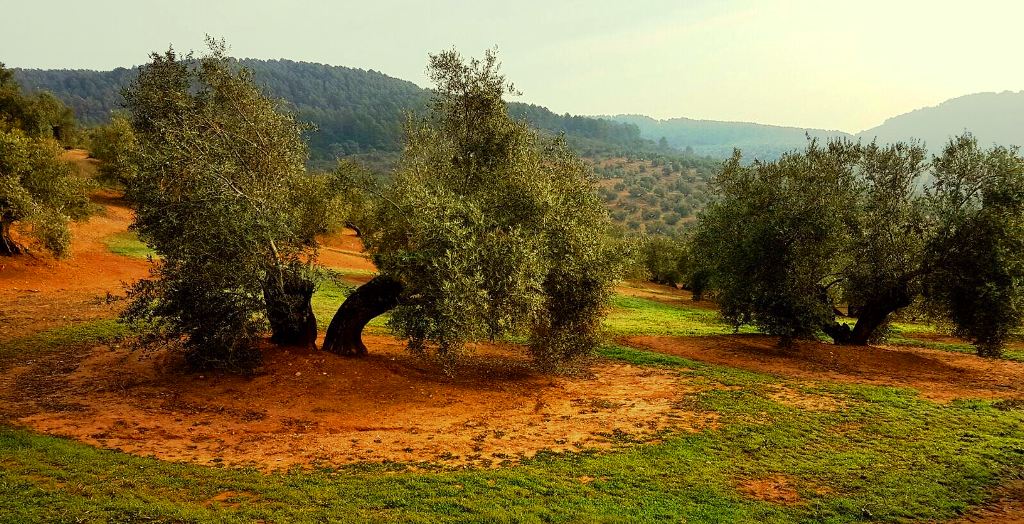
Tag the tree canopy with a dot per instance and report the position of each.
(218, 195)
(488, 229)
(976, 280)
(38, 189)
(872, 228)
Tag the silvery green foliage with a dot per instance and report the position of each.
(38, 192)
(835, 224)
(220, 173)
(976, 280)
(114, 145)
(494, 230)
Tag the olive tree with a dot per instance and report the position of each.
(220, 172)
(976, 279)
(114, 146)
(38, 190)
(488, 229)
(40, 115)
(787, 241)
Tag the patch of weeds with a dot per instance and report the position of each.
(639, 316)
(92, 333)
(331, 291)
(127, 244)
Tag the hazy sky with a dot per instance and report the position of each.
(815, 63)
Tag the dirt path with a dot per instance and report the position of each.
(40, 292)
(938, 375)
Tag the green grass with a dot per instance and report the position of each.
(889, 456)
(128, 244)
(74, 335)
(639, 316)
(330, 294)
(901, 334)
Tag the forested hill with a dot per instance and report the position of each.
(355, 111)
(718, 138)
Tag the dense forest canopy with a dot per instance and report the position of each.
(354, 110)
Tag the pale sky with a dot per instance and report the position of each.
(809, 63)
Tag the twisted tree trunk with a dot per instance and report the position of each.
(368, 301)
(290, 309)
(872, 315)
(8, 247)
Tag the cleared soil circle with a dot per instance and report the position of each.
(938, 375)
(310, 408)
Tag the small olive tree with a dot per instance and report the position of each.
(664, 259)
(38, 192)
(38, 189)
(114, 146)
(976, 257)
(488, 229)
(220, 171)
(41, 115)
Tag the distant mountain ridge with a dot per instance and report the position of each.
(361, 112)
(719, 138)
(994, 118)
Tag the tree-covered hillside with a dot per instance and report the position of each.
(360, 113)
(355, 111)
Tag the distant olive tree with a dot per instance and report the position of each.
(664, 259)
(38, 190)
(41, 115)
(219, 178)
(488, 229)
(114, 146)
(977, 254)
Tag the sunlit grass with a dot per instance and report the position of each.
(331, 292)
(128, 244)
(82, 334)
(887, 456)
(902, 334)
(639, 316)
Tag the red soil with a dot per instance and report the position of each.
(938, 375)
(777, 489)
(664, 294)
(40, 292)
(307, 408)
(344, 251)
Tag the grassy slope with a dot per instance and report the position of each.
(888, 456)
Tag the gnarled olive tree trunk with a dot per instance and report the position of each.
(8, 246)
(372, 299)
(290, 309)
(872, 315)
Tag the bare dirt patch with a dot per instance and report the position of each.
(938, 375)
(40, 292)
(664, 294)
(811, 402)
(777, 489)
(344, 250)
(1007, 508)
(307, 408)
